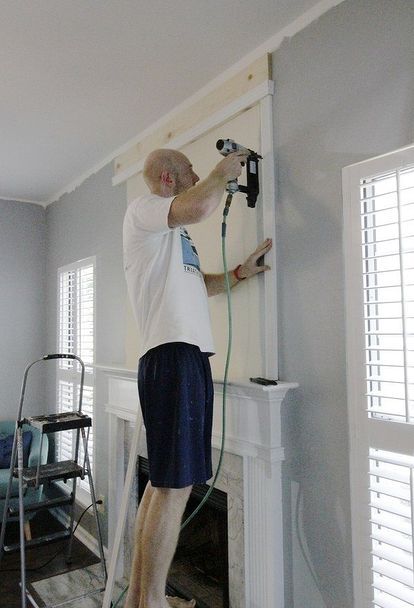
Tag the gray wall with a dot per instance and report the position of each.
(344, 93)
(22, 305)
(88, 222)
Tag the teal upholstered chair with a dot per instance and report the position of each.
(31, 495)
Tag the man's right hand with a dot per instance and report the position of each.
(198, 203)
(230, 167)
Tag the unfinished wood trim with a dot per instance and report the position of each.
(258, 73)
(221, 117)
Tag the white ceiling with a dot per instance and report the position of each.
(79, 78)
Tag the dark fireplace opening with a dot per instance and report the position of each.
(200, 565)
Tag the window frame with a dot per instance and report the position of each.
(83, 496)
(364, 432)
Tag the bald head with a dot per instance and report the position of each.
(160, 162)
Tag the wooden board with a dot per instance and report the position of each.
(247, 80)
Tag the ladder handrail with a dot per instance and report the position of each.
(17, 455)
(47, 358)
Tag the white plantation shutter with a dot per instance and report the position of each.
(391, 493)
(85, 315)
(379, 264)
(67, 300)
(65, 404)
(387, 225)
(76, 336)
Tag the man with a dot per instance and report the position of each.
(169, 293)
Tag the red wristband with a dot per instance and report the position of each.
(236, 273)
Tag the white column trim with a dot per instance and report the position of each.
(268, 225)
(264, 565)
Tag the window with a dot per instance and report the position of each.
(379, 272)
(387, 225)
(76, 335)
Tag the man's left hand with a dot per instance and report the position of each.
(250, 267)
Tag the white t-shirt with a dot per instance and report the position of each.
(165, 283)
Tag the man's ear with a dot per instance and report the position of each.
(167, 179)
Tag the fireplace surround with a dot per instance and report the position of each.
(250, 476)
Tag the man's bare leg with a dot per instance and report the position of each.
(134, 590)
(159, 542)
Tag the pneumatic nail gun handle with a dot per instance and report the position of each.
(228, 146)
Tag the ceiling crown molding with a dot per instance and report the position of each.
(23, 200)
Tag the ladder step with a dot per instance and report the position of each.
(65, 469)
(44, 504)
(41, 540)
(59, 422)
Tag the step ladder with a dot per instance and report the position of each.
(46, 473)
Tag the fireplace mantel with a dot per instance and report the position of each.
(253, 433)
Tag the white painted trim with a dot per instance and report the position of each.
(377, 162)
(77, 264)
(81, 533)
(82, 178)
(363, 432)
(263, 516)
(242, 390)
(114, 370)
(116, 472)
(223, 115)
(269, 46)
(354, 459)
(248, 448)
(268, 224)
(11, 199)
(254, 433)
(90, 541)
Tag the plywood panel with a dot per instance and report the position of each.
(243, 236)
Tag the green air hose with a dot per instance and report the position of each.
(226, 369)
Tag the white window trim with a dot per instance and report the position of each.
(83, 497)
(363, 431)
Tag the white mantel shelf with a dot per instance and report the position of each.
(253, 432)
(253, 424)
(242, 388)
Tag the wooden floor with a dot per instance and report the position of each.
(36, 557)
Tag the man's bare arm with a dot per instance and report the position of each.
(198, 202)
(216, 284)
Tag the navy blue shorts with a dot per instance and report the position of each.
(176, 395)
